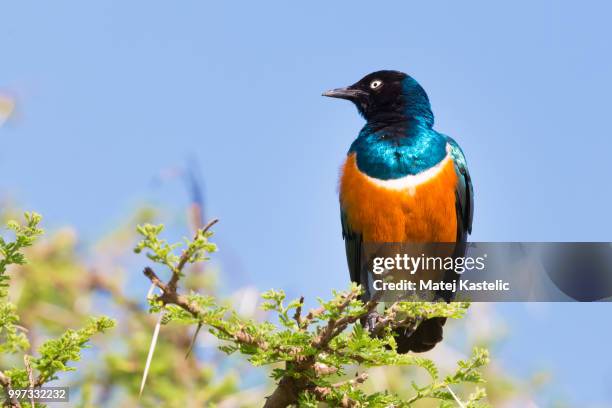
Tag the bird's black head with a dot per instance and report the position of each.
(387, 96)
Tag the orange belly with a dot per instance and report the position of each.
(423, 213)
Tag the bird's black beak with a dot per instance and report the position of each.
(350, 93)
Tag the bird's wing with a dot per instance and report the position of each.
(352, 242)
(464, 192)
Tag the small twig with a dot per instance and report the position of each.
(176, 272)
(170, 296)
(193, 340)
(298, 313)
(149, 273)
(359, 379)
(209, 225)
(323, 392)
(334, 327)
(321, 370)
(26, 362)
(312, 314)
(326, 334)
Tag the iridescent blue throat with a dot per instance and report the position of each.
(398, 150)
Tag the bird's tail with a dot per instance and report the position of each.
(429, 332)
(424, 338)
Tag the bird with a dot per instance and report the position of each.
(401, 182)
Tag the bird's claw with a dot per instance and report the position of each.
(371, 320)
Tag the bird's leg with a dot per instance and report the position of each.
(370, 321)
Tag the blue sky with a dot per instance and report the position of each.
(111, 93)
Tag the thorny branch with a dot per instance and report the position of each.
(305, 363)
(289, 387)
(176, 272)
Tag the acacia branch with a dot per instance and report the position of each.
(335, 327)
(176, 271)
(307, 364)
(289, 388)
(171, 296)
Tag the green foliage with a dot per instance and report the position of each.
(25, 235)
(54, 354)
(14, 339)
(163, 253)
(65, 278)
(325, 352)
(316, 350)
(467, 372)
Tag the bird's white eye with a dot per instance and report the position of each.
(375, 84)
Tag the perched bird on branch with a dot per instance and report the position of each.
(402, 181)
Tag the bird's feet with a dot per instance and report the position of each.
(371, 321)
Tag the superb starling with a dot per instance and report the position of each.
(402, 181)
